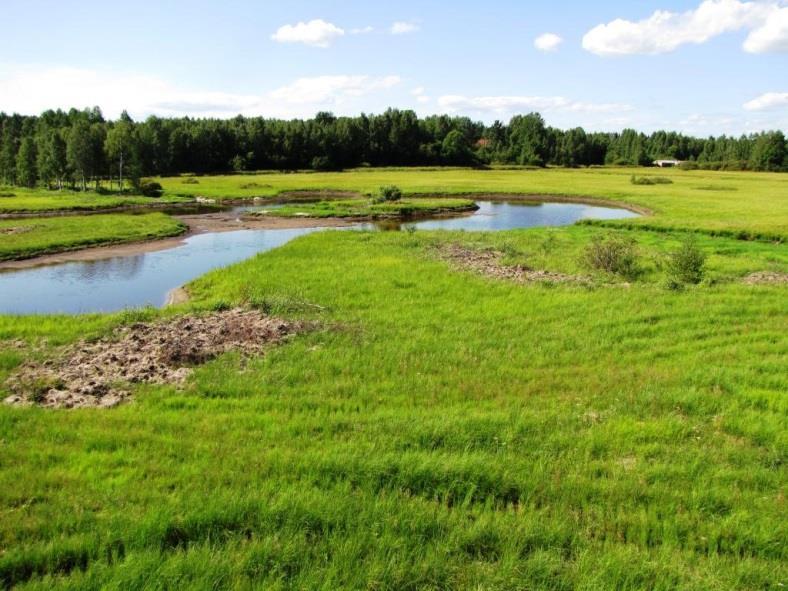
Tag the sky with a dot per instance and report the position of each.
(704, 67)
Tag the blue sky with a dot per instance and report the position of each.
(701, 66)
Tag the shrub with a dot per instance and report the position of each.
(687, 264)
(650, 180)
(151, 189)
(613, 255)
(190, 181)
(323, 163)
(389, 193)
(689, 165)
(238, 163)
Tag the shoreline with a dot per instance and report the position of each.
(196, 224)
(224, 221)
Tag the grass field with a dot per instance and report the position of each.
(751, 205)
(29, 237)
(364, 208)
(17, 199)
(442, 429)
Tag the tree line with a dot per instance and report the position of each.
(80, 148)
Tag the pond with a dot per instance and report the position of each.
(146, 278)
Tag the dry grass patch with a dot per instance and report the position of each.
(488, 262)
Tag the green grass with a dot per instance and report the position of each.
(17, 199)
(443, 431)
(29, 237)
(736, 204)
(365, 208)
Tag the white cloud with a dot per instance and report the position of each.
(509, 104)
(331, 89)
(665, 31)
(31, 90)
(316, 33)
(770, 100)
(548, 42)
(771, 36)
(418, 93)
(403, 27)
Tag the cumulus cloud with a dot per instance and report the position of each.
(771, 36)
(665, 31)
(316, 33)
(769, 100)
(548, 42)
(31, 90)
(508, 104)
(403, 27)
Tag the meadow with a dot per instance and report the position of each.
(30, 237)
(439, 429)
(40, 200)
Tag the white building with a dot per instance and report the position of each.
(666, 163)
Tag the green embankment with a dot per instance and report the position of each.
(364, 208)
(29, 237)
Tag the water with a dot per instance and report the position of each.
(507, 215)
(145, 279)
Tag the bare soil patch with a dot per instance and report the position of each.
(228, 222)
(100, 373)
(17, 230)
(766, 278)
(488, 262)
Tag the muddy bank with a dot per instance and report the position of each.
(102, 373)
(488, 263)
(196, 224)
(94, 253)
(227, 222)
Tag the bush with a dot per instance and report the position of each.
(323, 163)
(650, 180)
(687, 264)
(151, 189)
(190, 181)
(388, 193)
(613, 255)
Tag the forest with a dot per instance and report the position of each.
(80, 148)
